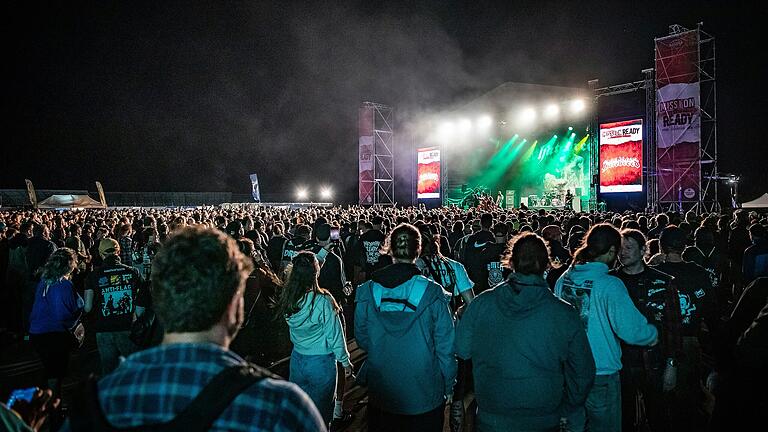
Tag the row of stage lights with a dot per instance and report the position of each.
(302, 193)
(526, 116)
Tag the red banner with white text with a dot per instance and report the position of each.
(678, 118)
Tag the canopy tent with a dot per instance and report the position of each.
(69, 201)
(760, 202)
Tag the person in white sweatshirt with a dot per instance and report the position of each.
(318, 339)
(608, 315)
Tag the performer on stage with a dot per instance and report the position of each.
(568, 200)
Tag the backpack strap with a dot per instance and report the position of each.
(216, 397)
(418, 288)
(199, 415)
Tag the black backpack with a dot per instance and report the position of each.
(199, 415)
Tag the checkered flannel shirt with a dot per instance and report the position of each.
(152, 386)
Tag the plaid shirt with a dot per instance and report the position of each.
(152, 386)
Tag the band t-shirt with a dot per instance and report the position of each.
(369, 255)
(115, 287)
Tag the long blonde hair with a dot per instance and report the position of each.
(302, 280)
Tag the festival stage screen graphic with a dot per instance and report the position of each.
(428, 169)
(621, 156)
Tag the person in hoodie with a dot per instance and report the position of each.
(403, 321)
(608, 314)
(520, 382)
(318, 339)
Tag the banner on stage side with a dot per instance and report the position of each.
(428, 173)
(366, 184)
(678, 118)
(621, 156)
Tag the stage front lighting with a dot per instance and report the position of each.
(578, 105)
(326, 193)
(484, 121)
(446, 129)
(302, 194)
(465, 125)
(552, 111)
(528, 115)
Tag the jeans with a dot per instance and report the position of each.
(382, 421)
(316, 375)
(602, 411)
(112, 346)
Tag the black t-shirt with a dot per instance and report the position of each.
(368, 251)
(650, 290)
(697, 296)
(115, 287)
(484, 266)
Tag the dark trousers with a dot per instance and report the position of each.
(53, 349)
(382, 421)
(643, 388)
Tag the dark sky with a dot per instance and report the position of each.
(194, 96)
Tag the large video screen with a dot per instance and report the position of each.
(621, 156)
(428, 172)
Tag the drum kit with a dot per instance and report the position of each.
(550, 198)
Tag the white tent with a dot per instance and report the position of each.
(760, 202)
(69, 201)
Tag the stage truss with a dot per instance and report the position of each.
(383, 179)
(709, 174)
(708, 200)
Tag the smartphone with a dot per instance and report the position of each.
(334, 234)
(21, 394)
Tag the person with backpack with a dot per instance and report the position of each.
(403, 322)
(313, 317)
(192, 381)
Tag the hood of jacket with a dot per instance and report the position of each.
(395, 275)
(521, 294)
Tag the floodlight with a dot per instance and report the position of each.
(302, 193)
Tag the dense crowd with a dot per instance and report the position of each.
(511, 320)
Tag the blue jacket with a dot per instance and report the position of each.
(530, 355)
(403, 322)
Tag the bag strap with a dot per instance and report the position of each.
(199, 415)
(215, 397)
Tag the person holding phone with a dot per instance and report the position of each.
(27, 409)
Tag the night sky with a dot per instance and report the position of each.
(194, 96)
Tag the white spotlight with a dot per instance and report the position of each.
(552, 111)
(484, 121)
(578, 105)
(302, 193)
(326, 193)
(527, 115)
(465, 125)
(446, 129)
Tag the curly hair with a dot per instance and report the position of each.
(404, 242)
(62, 262)
(195, 275)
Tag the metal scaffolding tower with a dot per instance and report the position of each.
(383, 191)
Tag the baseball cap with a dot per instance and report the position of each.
(108, 246)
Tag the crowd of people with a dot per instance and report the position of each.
(511, 320)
